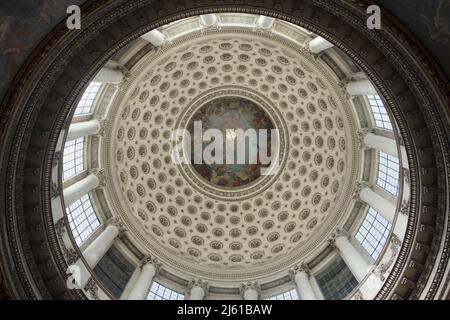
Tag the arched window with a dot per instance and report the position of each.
(373, 233)
(388, 173)
(288, 295)
(159, 292)
(82, 219)
(87, 100)
(379, 113)
(73, 161)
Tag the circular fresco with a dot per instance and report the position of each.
(231, 141)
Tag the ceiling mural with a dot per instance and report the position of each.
(229, 115)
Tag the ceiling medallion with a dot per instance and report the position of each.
(237, 143)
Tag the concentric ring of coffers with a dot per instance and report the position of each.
(169, 210)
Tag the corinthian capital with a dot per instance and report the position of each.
(361, 134)
(117, 222)
(302, 267)
(359, 187)
(195, 282)
(339, 232)
(101, 175)
(148, 259)
(250, 285)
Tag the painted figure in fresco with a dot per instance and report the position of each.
(231, 114)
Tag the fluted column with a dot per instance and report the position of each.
(383, 206)
(353, 259)
(208, 20)
(300, 275)
(83, 129)
(361, 87)
(198, 289)
(149, 269)
(265, 22)
(250, 290)
(108, 75)
(155, 37)
(319, 44)
(75, 191)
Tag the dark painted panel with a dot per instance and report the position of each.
(113, 271)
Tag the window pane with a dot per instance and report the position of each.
(336, 281)
(379, 113)
(73, 158)
(388, 173)
(82, 219)
(373, 236)
(87, 100)
(159, 292)
(288, 295)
